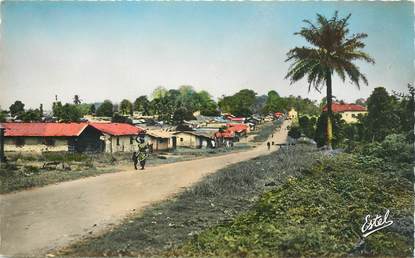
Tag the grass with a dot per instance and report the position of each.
(320, 214)
(215, 200)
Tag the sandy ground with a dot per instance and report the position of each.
(35, 221)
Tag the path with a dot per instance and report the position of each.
(35, 221)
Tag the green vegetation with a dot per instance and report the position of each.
(105, 109)
(334, 51)
(216, 199)
(322, 213)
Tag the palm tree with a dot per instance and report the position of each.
(333, 50)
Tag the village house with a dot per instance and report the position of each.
(195, 139)
(293, 115)
(73, 137)
(119, 137)
(44, 137)
(349, 112)
(159, 140)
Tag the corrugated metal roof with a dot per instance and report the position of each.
(44, 129)
(117, 129)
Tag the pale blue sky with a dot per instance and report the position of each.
(116, 50)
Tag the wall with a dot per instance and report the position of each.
(36, 144)
(189, 140)
(348, 116)
(158, 143)
(124, 143)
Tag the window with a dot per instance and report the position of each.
(49, 141)
(181, 139)
(131, 140)
(20, 141)
(118, 141)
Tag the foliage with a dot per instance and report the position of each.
(307, 126)
(382, 117)
(294, 132)
(85, 109)
(142, 104)
(126, 107)
(239, 104)
(76, 100)
(182, 114)
(31, 115)
(105, 109)
(333, 51)
(67, 112)
(3, 115)
(320, 135)
(319, 215)
(17, 108)
(117, 118)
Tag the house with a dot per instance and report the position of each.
(293, 115)
(349, 112)
(159, 139)
(195, 139)
(119, 137)
(239, 129)
(43, 137)
(224, 138)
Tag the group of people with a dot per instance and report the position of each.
(142, 153)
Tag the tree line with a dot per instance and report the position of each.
(170, 105)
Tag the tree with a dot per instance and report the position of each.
(92, 109)
(31, 115)
(159, 92)
(105, 109)
(239, 104)
(76, 100)
(334, 51)
(57, 109)
(142, 104)
(126, 108)
(17, 108)
(206, 104)
(273, 103)
(182, 114)
(70, 113)
(117, 118)
(320, 135)
(382, 118)
(41, 109)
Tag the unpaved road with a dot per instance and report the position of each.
(35, 221)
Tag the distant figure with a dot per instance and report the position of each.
(142, 153)
(272, 135)
(268, 145)
(272, 143)
(135, 159)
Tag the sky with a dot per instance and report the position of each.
(117, 50)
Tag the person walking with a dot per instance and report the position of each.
(268, 145)
(142, 153)
(135, 159)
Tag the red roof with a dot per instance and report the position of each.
(237, 127)
(44, 129)
(338, 107)
(117, 129)
(225, 134)
(239, 119)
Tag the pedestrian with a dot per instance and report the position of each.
(268, 145)
(135, 159)
(142, 153)
(272, 135)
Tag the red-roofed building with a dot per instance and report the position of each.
(349, 112)
(43, 137)
(119, 137)
(78, 137)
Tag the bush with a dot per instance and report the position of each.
(294, 132)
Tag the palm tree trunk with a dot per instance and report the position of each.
(329, 134)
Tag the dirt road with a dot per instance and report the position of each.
(35, 221)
